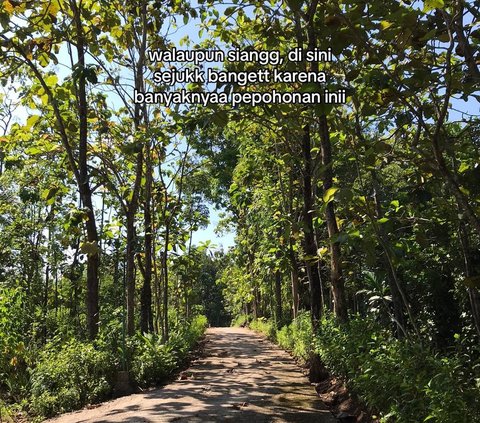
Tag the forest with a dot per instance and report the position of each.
(357, 225)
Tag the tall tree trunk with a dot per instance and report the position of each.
(165, 286)
(251, 258)
(338, 286)
(321, 267)
(392, 276)
(78, 167)
(278, 287)
(139, 116)
(278, 298)
(146, 317)
(45, 301)
(294, 280)
(309, 236)
(317, 370)
(130, 273)
(93, 260)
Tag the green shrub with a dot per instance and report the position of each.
(5, 413)
(154, 361)
(241, 320)
(302, 336)
(405, 380)
(285, 338)
(267, 327)
(15, 357)
(75, 375)
(195, 330)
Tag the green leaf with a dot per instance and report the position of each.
(48, 194)
(463, 167)
(7, 5)
(32, 120)
(90, 248)
(429, 5)
(44, 59)
(51, 80)
(32, 151)
(385, 24)
(229, 10)
(329, 194)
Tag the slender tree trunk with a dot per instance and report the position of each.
(309, 236)
(158, 323)
(93, 260)
(251, 257)
(278, 298)
(294, 280)
(321, 266)
(55, 301)
(338, 286)
(317, 369)
(130, 274)
(392, 277)
(116, 274)
(310, 247)
(255, 301)
(133, 205)
(146, 317)
(278, 288)
(45, 302)
(47, 282)
(165, 286)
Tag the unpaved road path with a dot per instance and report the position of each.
(242, 377)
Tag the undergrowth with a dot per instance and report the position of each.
(68, 375)
(407, 381)
(241, 320)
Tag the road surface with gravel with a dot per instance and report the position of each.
(240, 377)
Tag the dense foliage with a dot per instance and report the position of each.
(73, 374)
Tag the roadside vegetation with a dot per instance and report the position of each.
(357, 224)
(397, 380)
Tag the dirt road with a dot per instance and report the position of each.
(242, 377)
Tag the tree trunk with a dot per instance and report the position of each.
(294, 279)
(146, 317)
(93, 265)
(309, 237)
(278, 298)
(338, 286)
(130, 274)
(165, 286)
(93, 261)
(392, 277)
(278, 287)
